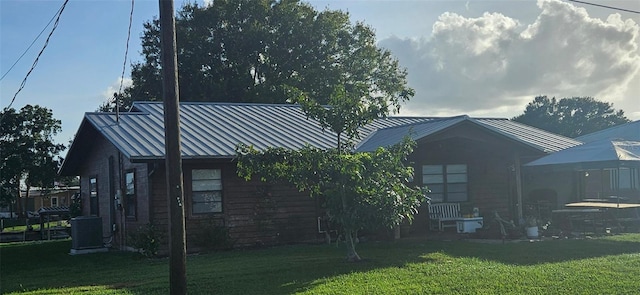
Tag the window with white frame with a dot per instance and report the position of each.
(447, 183)
(206, 191)
(54, 202)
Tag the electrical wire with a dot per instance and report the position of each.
(34, 41)
(126, 52)
(606, 6)
(35, 62)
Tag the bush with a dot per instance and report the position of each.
(146, 239)
(214, 237)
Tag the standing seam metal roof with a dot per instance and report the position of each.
(213, 130)
(538, 139)
(628, 131)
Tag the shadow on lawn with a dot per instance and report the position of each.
(299, 268)
(284, 269)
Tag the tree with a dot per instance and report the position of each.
(571, 117)
(360, 190)
(27, 150)
(251, 51)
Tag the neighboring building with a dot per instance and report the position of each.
(39, 198)
(605, 165)
(475, 162)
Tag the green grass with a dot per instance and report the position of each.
(608, 265)
(36, 226)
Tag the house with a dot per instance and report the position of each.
(120, 160)
(39, 198)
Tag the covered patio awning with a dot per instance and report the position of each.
(60, 210)
(597, 154)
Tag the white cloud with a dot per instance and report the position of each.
(107, 95)
(493, 65)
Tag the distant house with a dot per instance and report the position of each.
(472, 161)
(39, 198)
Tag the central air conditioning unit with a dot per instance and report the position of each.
(86, 235)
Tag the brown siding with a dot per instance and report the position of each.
(490, 162)
(254, 213)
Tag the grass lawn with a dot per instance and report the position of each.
(36, 226)
(609, 265)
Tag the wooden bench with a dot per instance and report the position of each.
(443, 215)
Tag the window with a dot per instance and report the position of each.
(130, 201)
(448, 183)
(93, 196)
(54, 202)
(206, 187)
(623, 178)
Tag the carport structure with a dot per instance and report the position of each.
(45, 218)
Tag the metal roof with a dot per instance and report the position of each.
(539, 139)
(213, 130)
(535, 138)
(53, 210)
(392, 135)
(600, 154)
(628, 131)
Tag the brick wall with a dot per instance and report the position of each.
(105, 164)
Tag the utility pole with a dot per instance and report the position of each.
(173, 160)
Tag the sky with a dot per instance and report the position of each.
(480, 58)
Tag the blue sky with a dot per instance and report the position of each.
(482, 58)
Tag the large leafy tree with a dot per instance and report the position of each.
(361, 190)
(253, 50)
(27, 150)
(571, 117)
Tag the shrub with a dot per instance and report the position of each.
(146, 239)
(213, 236)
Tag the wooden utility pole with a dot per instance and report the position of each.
(173, 160)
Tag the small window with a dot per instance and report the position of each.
(130, 201)
(93, 196)
(54, 202)
(206, 187)
(447, 183)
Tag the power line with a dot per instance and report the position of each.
(35, 62)
(126, 51)
(606, 6)
(34, 41)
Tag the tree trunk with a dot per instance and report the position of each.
(23, 201)
(352, 255)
